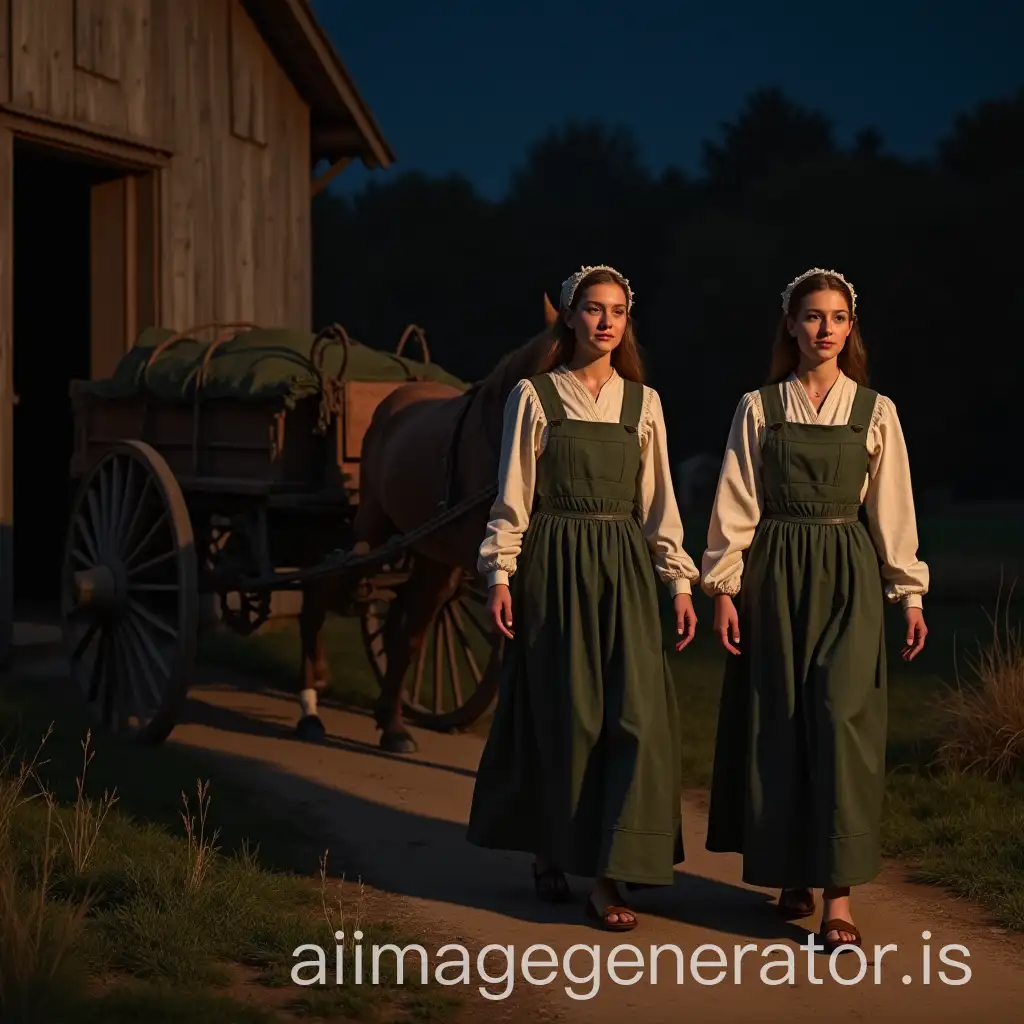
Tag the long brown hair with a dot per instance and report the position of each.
(853, 360)
(626, 355)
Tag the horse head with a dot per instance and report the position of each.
(521, 362)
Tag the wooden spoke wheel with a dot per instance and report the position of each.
(455, 679)
(129, 599)
(230, 549)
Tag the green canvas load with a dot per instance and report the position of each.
(255, 364)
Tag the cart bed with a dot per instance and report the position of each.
(225, 446)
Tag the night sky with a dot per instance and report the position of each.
(468, 88)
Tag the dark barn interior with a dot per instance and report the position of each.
(51, 328)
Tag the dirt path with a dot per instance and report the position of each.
(400, 822)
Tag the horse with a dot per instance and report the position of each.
(423, 439)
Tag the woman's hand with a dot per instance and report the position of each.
(686, 619)
(727, 623)
(916, 632)
(499, 607)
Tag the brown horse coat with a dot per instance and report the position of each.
(412, 436)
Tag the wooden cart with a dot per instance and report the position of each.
(213, 497)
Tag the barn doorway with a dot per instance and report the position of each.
(51, 329)
(76, 300)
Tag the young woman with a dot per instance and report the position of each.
(813, 528)
(583, 764)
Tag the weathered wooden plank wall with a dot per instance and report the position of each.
(5, 51)
(237, 196)
(194, 76)
(6, 393)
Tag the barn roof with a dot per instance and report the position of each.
(341, 124)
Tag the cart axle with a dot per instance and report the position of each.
(96, 589)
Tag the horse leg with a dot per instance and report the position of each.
(430, 584)
(313, 673)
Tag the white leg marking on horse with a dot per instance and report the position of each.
(307, 699)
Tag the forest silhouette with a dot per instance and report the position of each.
(932, 246)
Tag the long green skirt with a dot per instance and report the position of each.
(583, 762)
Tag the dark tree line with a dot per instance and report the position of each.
(933, 248)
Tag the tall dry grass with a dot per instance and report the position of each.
(40, 934)
(87, 816)
(39, 969)
(15, 777)
(983, 720)
(202, 849)
(338, 922)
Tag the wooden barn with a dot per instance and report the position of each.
(158, 159)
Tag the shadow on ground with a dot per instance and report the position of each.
(416, 855)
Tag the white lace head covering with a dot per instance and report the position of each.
(817, 272)
(570, 284)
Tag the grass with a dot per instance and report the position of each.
(956, 786)
(955, 793)
(984, 727)
(151, 903)
(274, 653)
(954, 811)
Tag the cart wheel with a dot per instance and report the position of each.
(456, 677)
(231, 549)
(129, 599)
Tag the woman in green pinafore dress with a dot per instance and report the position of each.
(814, 516)
(583, 764)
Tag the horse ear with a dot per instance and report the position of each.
(550, 313)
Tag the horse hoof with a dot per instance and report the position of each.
(310, 728)
(398, 743)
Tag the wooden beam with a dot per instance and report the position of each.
(5, 50)
(125, 266)
(110, 262)
(147, 243)
(89, 141)
(6, 395)
(321, 182)
(332, 141)
(131, 262)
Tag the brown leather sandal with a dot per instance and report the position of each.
(837, 924)
(605, 919)
(796, 903)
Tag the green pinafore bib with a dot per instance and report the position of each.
(583, 762)
(800, 754)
